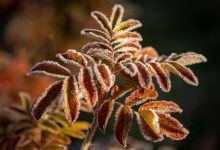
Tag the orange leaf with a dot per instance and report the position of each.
(171, 127)
(149, 51)
(140, 95)
(127, 47)
(149, 125)
(71, 102)
(87, 85)
(46, 99)
(50, 68)
(104, 113)
(119, 90)
(161, 106)
(123, 121)
(126, 36)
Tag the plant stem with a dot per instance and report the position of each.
(90, 133)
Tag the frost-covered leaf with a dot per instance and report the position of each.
(149, 125)
(141, 95)
(161, 106)
(128, 46)
(46, 99)
(104, 113)
(149, 51)
(126, 36)
(119, 90)
(87, 85)
(127, 25)
(95, 45)
(116, 16)
(183, 72)
(162, 77)
(49, 68)
(129, 69)
(144, 75)
(124, 57)
(71, 102)
(123, 121)
(171, 127)
(102, 20)
(189, 58)
(101, 54)
(73, 57)
(104, 76)
(96, 34)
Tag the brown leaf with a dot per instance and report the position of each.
(161, 106)
(144, 75)
(95, 45)
(49, 68)
(104, 76)
(73, 57)
(171, 127)
(123, 121)
(119, 90)
(183, 72)
(162, 77)
(71, 102)
(127, 47)
(104, 113)
(87, 85)
(102, 20)
(128, 25)
(124, 57)
(129, 69)
(96, 34)
(189, 58)
(140, 95)
(46, 99)
(149, 125)
(126, 36)
(116, 16)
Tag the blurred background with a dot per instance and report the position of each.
(34, 30)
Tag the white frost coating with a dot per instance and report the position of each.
(137, 37)
(71, 61)
(132, 24)
(48, 62)
(119, 19)
(124, 57)
(175, 71)
(136, 45)
(94, 15)
(101, 54)
(96, 36)
(95, 45)
(89, 59)
(132, 70)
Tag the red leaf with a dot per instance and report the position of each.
(140, 95)
(104, 76)
(161, 76)
(46, 99)
(123, 121)
(149, 126)
(171, 127)
(161, 106)
(144, 76)
(183, 72)
(104, 114)
(87, 85)
(50, 68)
(73, 57)
(71, 102)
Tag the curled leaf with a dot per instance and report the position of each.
(161, 106)
(104, 76)
(124, 57)
(71, 102)
(127, 47)
(128, 25)
(126, 36)
(73, 57)
(96, 34)
(161, 76)
(140, 95)
(102, 20)
(50, 68)
(116, 16)
(171, 127)
(123, 121)
(46, 99)
(129, 69)
(87, 85)
(183, 72)
(95, 45)
(149, 125)
(104, 113)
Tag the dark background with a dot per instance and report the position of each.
(168, 25)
